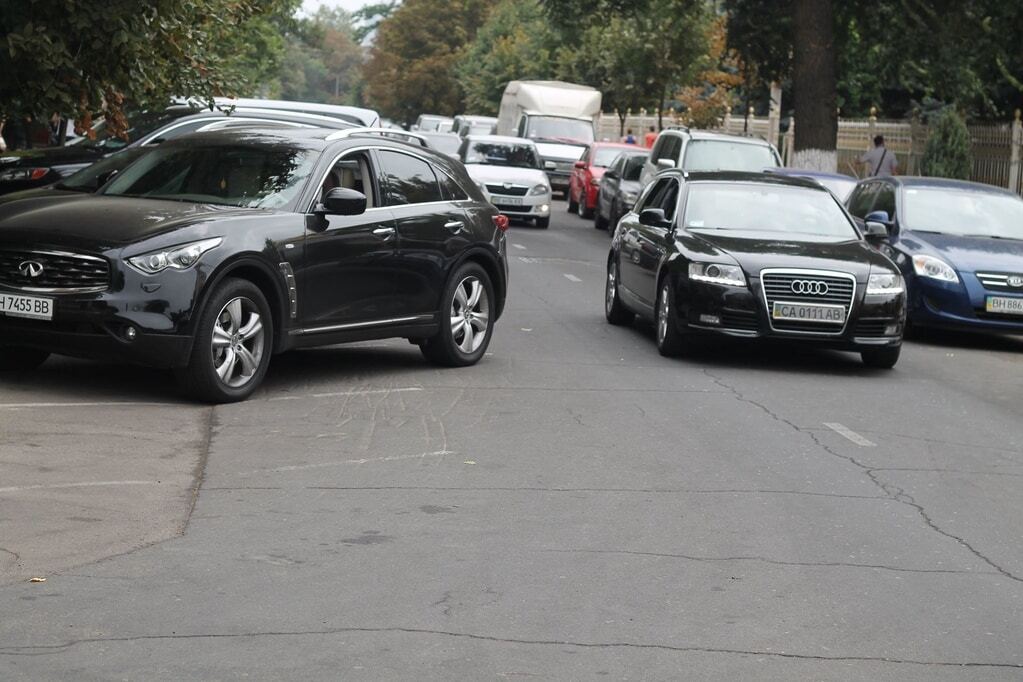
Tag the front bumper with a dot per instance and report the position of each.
(710, 309)
(529, 206)
(961, 305)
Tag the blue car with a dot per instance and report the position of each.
(959, 246)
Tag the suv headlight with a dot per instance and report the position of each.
(716, 273)
(539, 190)
(935, 268)
(179, 257)
(885, 282)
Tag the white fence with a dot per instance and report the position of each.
(997, 148)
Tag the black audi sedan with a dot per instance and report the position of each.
(213, 252)
(753, 256)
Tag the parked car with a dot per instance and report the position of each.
(585, 179)
(432, 123)
(213, 252)
(446, 143)
(752, 255)
(466, 124)
(619, 188)
(508, 170)
(840, 185)
(699, 150)
(44, 166)
(958, 244)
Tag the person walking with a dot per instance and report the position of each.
(629, 137)
(879, 161)
(650, 138)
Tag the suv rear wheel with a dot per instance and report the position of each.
(466, 319)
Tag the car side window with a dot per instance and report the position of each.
(409, 180)
(669, 199)
(862, 200)
(673, 149)
(659, 145)
(654, 195)
(452, 190)
(885, 200)
(351, 171)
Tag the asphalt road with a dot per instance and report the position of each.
(573, 507)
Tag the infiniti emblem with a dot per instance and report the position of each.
(31, 268)
(809, 287)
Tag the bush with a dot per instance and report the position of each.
(948, 149)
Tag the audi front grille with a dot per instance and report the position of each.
(823, 287)
(53, 271)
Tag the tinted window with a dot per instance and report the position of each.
(885, 200)
(711, 155)
(657, 195)
(501, 154)
(409, 180)
(670, 150)
(668, 200)
(862, 199)
(633, 167)
(452, 190)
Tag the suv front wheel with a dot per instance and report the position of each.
(466, 321)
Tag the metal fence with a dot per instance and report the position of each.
(997, 148)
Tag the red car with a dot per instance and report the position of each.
(585, 180)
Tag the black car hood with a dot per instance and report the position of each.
(755, 251)
(100, 223)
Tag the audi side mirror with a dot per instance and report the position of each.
(343, 201)
(653, 217)
(875, 232)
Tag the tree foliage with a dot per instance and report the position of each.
(84, 58)
(323, 60)
(706, 100)
(948, 150)
(411, 69)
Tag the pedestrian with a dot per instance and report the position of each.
(879, 161)
(650, 138)
(629, 137)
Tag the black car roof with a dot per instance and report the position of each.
(741, 176)
(305, 138)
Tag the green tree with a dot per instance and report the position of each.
(323, 61)
(948, 150)
(88, 58)
(411, 69)
(516, 43)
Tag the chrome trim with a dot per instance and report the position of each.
(61, 290)
(289, 279)
(454, 225)
(810, 272)
(383, 132)
(62, 254)
(380, 231)
(363, 325)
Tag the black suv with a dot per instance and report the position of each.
(212, 252)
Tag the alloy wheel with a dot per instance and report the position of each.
(470, 314)
(611, 290)
(662, 315)
(238, 342)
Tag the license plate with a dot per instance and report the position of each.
(1004, 305)
(507, 201)
(26, 306)
(803, 312)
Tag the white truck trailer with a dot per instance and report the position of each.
(559, 117)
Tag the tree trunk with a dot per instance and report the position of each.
(814, 84)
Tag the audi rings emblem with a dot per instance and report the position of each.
(809, 287)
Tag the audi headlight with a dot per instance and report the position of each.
(716, 273)
(21, 174)
(177, 258)
(885, 283)
(539, 190)
(935, 268)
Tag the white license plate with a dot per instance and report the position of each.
(26, 306)
(507, 201)
(1004, 305)
(803, 312)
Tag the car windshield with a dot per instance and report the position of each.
(555, 127)
(605, 156)
(963, 212)
(754, 207)
(841, 187)
(236, 175)
(90, 178)
(139, 125)
(502, 154)
(634, 167)
(443, 142)
(479, 128)
(712, 155)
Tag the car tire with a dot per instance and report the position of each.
(599, 221)
(584, 213)
(19, 358)
(543, 223)
(881, 358)
(614, 310)
(670, 341)
(232, 345)
(466, 316)
(573, 206)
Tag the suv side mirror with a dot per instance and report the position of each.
(343, 201)
(875, 232)
(878, 217)
(653, 217)
(665, 164)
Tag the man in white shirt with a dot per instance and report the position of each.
(879, 161)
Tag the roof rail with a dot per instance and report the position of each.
(383, 132)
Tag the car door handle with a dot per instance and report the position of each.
(455, 225)
(384, 232)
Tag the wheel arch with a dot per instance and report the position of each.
(490, 262)
(253, 269)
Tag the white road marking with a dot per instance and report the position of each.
(849, 434)
(107, 403)
(345, 462)
(572, 278)
(61, 486)
(519, 246)
(342, 394)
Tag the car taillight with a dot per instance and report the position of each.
(501, 222)
(39, 173)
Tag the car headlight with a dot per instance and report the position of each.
(177, 258)
(716, 273)
(539, 190)
(935, 268)
(885, 283)
(16, 174)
